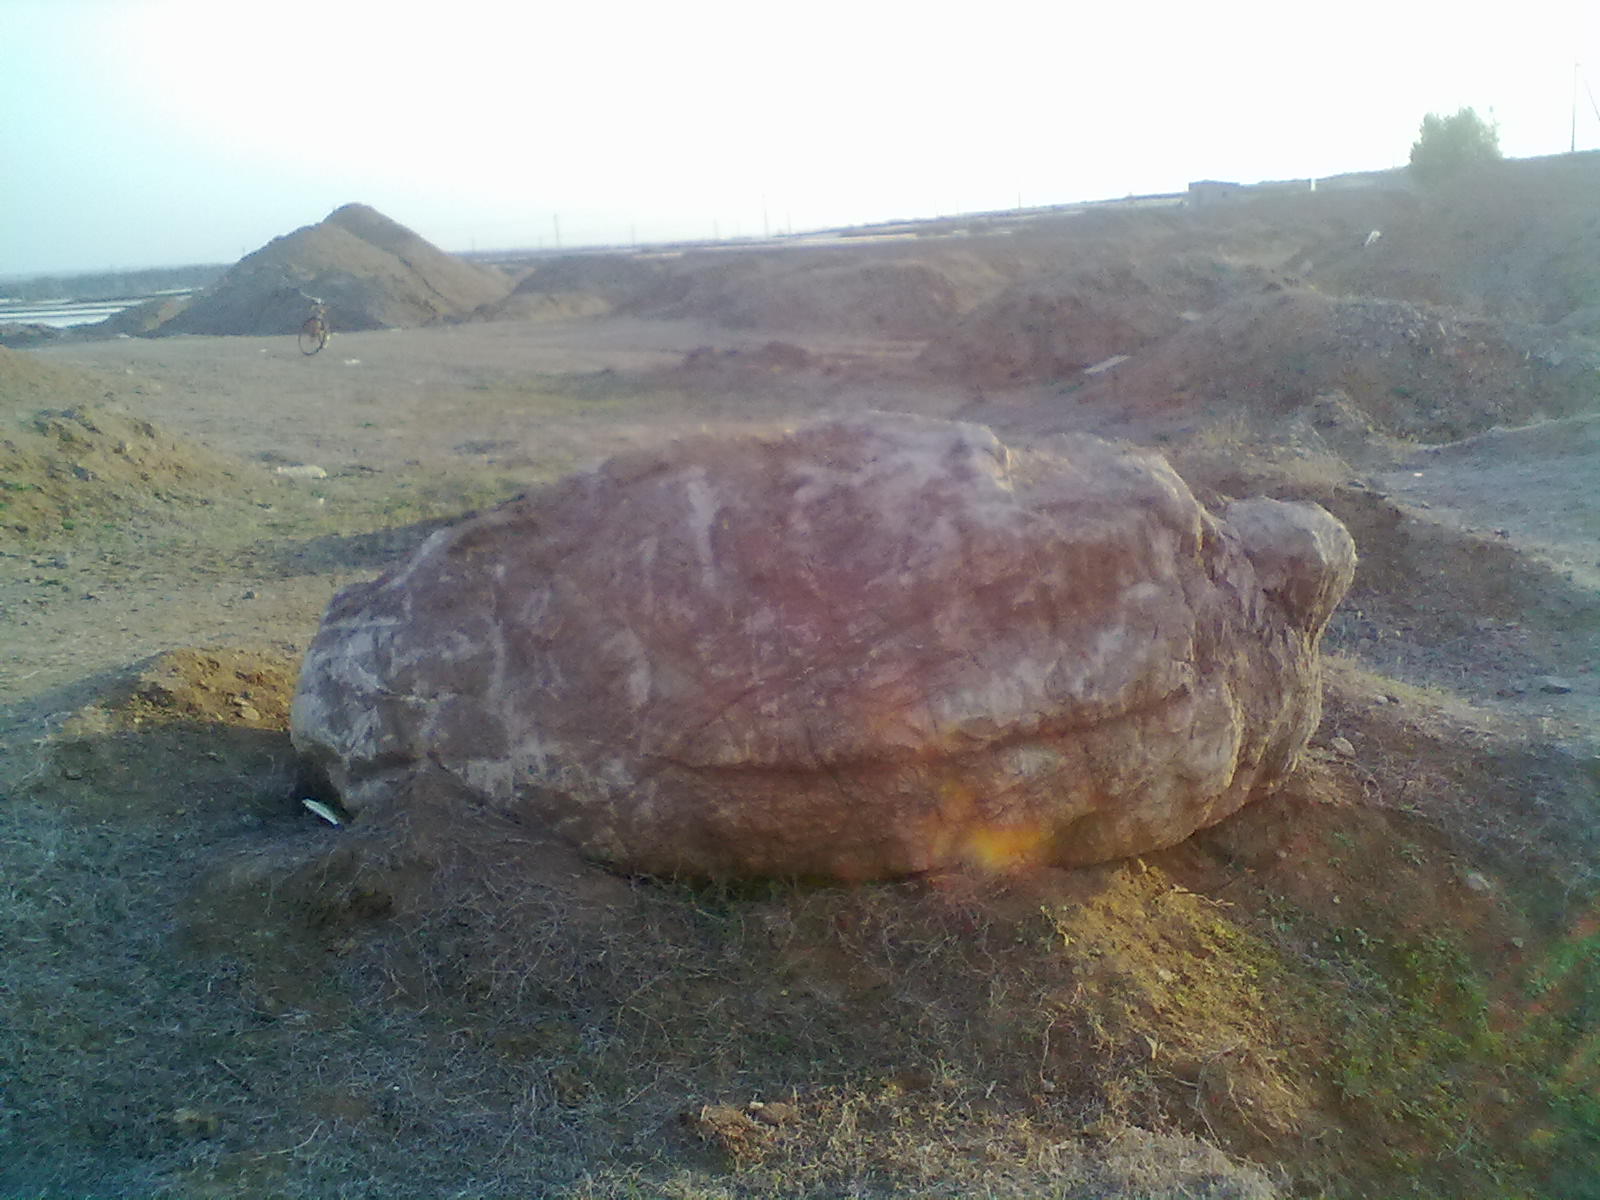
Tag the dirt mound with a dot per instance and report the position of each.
(1520, 240)
(1055, 326)
(23, 335)
(93, 463)
(248, 688)
(372, 272)
(544, 306)
(1417, 372)
(616, 277)
(140, 319)
(26, 382)
(886, 295)
(579, 285)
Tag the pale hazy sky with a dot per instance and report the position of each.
(148, 132)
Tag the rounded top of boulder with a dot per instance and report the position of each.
(772, 571)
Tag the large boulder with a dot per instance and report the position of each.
(863, 648)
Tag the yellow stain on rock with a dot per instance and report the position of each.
(1001, 848)
(963, 832)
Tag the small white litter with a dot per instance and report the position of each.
(322, 810)
(1106, 364)
(1372, 237)
(352, 362)
(303, 471)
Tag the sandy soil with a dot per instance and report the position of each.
(397, 398)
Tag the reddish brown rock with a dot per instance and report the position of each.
(864, 648)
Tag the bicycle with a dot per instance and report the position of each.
(315, 332)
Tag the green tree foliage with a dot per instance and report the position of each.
(1449, 145)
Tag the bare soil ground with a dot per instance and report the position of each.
(1381, 981)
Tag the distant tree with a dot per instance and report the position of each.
(1449, 145)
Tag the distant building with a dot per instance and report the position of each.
(1361, 180)
(1205, 192)
(1211, 192)
(1280, 187)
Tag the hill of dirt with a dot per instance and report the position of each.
(1519, 244)
(1518, 240)
(66, 468)
(1055, 326)
(28, 382)
(577, 286)
(618, 278)
(73, 457)
(372, 272)
(895, 292)
(141, 319)
(25, 335)
(1410, 371)
(1000, 303)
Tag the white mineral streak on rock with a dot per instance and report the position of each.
(702, 519)
(861, 648)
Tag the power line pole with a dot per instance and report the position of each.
(1593, 103)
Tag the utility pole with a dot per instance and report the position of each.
(1579, 76)
(555, 220)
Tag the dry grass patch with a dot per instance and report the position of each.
(270, 1006)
